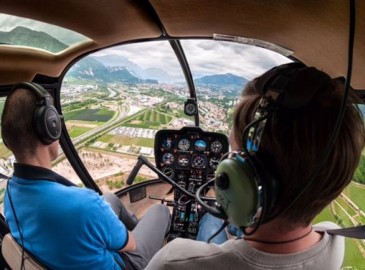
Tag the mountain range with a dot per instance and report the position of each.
(227, 79)
(90, 68)
(148, 73)
(26, 37)
(111, 68)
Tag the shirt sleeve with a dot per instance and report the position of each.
(104, 226)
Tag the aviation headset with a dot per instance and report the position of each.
(246, 191)
(46, 120)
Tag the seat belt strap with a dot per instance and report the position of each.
(357, 232)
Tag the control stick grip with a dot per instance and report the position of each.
(134, 172)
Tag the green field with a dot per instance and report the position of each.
(145, 142)
(76, 131)
(357, 194)
(99, 115)
(4, 152)
(346, 206)
(325, 215)
(123, 140)
(353, 256)
(149, 119)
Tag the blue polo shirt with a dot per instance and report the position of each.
(63, 226)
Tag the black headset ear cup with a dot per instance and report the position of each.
(47, 123)
(237, 191)
(46, 120)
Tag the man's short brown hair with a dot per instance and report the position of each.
(17, 122)
(295, 139)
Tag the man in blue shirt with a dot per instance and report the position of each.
(62, 225)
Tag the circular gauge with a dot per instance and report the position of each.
(183, 160)
(216, 147)
(190, 109)
(167, 143)
(184, 144)
(200, 145)
(199, 161)
(168, 158)
(168, 171)
(213, 162)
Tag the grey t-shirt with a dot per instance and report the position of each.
(237, 254)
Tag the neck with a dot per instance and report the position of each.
(274, 237)
(41, 157)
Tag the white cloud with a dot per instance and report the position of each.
(205, 57)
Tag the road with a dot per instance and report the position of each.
(121, 114)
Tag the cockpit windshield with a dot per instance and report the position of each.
(115, 100)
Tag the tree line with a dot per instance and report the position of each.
(359, 175)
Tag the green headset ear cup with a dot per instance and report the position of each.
(240, 198)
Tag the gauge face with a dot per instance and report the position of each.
(216, 147)
(168, 158)
(200, 145)
(184, 144)
(190, 109)
(183, 160)
(167, 143)
(213, 162)
(168, 171)
(199, 161)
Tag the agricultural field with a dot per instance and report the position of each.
(4, 151)
(76, 131)
(2, 102)
(124, 140)
(357, 194)
(181, 114)
(149, 119)
(353, 256)
(344, 213)
(78, 105)
(97, 115)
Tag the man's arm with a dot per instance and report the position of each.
(130, 245)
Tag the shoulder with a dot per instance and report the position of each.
(88, 201)
(331, 247)
(189, 254)
(77, 195)
(335, 242)
(325, 225)
(70, 200)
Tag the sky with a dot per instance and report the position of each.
(205, 57)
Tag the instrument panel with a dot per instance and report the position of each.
(189, 157)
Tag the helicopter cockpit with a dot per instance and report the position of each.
(147, 90)
(179, 130)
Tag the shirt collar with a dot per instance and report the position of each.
(39, 173)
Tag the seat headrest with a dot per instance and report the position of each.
(12, 253)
